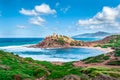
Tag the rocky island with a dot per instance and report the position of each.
(58, 41)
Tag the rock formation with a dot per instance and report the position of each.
(58, 41)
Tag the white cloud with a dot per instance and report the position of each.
(37, 12)
(64, 10)
(28, 12)
(45, 9)
(37, 21)
(95, 27)
(21, 26)
(108, 17)
(38, 9)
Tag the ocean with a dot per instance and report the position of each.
(18, 46)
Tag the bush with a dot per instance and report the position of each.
(61, 41)
(114, 63)
(40, 72)
(29, 59)
(106, 57)
(56, 74)
(117, 53)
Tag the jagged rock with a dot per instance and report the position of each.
(17, 77)
(104, 77)
(71, 77)
(4, 67)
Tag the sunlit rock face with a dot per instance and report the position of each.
(58, 41)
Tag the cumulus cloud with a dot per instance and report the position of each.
(45, 9)
(39, 9)
(108, 17)
(37, 12)
(28, 12)
(37, 21)
(21, 27)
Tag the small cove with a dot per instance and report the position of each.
(17, 46)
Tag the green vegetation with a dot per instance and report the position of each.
(96, 71)
(113, 42)
(117, 53)
(61, 41)
(96, 59)
(75, 43)
(13, 67)
(66, 37)
(114, 63)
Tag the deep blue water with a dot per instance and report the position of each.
(18, 46)
(87, 39)
(19, 41)
(23, 41)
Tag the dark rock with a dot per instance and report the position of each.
(71, 77)
(104, 77)
(17, 77)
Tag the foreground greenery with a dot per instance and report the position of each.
(13, 67)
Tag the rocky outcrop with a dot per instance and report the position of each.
(104, 77)
(71, 77)
(57, 41)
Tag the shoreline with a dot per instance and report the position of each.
(106, 50)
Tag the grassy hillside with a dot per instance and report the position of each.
(113, 41)
(96, 59)
(13, 67)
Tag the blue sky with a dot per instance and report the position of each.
(39, 18)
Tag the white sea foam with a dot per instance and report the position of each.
(47, 58)
(21, 48)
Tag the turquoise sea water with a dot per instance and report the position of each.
(18, 46)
